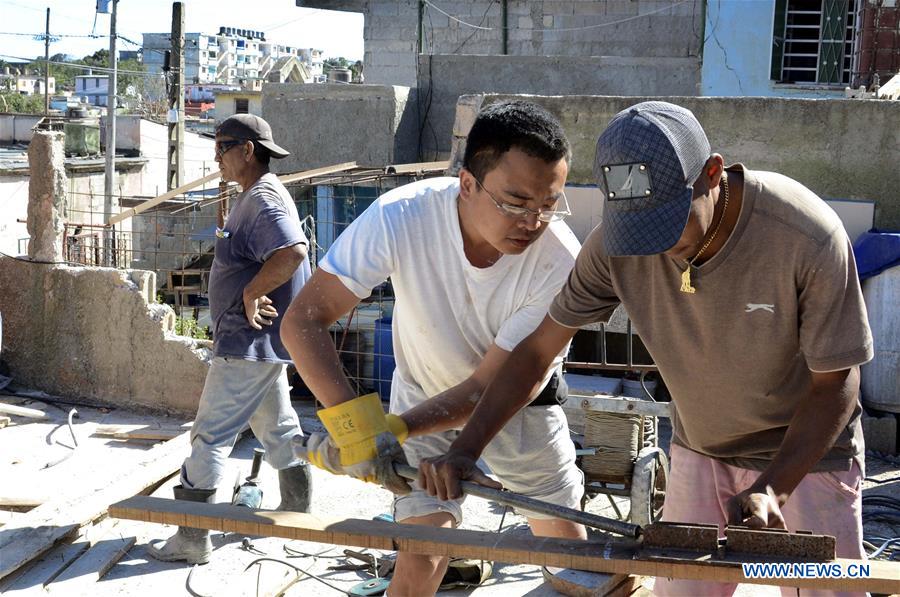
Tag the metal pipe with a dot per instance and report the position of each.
(508, 498)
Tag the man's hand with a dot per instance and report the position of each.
(757, 508)
(440, 476)
(320, 450)
(259, 311)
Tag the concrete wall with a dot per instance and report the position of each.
(574, 28)
(738, 53)
(841, 149)
(328, 124)
(16, 128)
(93, 334)
(442, 79)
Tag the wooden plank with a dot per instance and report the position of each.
(45, 570)
(324, 171)
(140, 432)
(90, 567)
(612, 556)
(417, 168)
(22, 500)
(42, 527)
(133, 211)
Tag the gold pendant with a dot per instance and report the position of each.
(686, 281)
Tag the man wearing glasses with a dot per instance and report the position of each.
(474, 262)
(260, 265)
(743, 286)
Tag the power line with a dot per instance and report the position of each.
(103, 69)
(42, 35)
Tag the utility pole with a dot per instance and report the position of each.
(47, 65)
(175, 116)
(110, 174)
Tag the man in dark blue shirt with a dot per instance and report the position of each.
(260, 265)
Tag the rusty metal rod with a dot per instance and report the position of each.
(516, 500)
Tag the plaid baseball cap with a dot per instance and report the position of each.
(646, 163)
(251, 128)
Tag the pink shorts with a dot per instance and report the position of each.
(698, 490)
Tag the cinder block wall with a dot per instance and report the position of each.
(574, 28)
(841, 149)
(96, 334)
(443, 78)
(322, 125)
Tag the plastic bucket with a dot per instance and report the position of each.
(384, 357)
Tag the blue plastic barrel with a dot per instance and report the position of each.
(384, 357)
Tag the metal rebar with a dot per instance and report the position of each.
(508, 498)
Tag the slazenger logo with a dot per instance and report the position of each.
(751, 307)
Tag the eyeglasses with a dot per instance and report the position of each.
(514, 211)
(224, 146)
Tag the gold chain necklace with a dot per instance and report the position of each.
(686, 274)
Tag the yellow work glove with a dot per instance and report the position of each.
(368, 440)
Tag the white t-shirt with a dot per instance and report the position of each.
(447, 312)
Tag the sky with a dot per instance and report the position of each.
(335, 33)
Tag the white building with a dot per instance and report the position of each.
(33, 84)
(232, 57)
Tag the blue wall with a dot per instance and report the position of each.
(737, 54)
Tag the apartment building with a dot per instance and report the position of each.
(232, 56)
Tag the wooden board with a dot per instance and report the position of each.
(140, 432)
(45, 570)
(417, 167)
(307, 174)
(133, 211)
(90, 567)
(38, 530)
(613, 556)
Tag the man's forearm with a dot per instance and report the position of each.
(814, 428)
(447, 410)
(509, 392)
(277, 270)
(317, 361)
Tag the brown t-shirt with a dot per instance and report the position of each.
(779, 299)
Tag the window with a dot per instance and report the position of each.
(241, 105)
(812, 41)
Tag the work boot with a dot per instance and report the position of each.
(296, 488)
(187, 544)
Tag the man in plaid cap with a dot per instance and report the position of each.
(743, 287)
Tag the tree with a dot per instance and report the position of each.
(330, 63)
(21, 104)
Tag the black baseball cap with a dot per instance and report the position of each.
(251, 128)
(646, 163)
